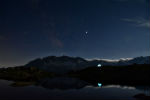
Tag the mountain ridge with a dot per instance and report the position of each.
(62, 64)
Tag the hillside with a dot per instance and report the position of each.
(64, 64)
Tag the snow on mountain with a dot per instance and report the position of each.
(64, 64)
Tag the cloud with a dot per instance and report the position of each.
(111, 60)
(139, 22)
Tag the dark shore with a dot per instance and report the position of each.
(133, 74)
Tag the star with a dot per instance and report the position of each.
(86, 32)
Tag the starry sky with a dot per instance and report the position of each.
(107, 29)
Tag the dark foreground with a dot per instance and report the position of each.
(136, 74)
(122, 76)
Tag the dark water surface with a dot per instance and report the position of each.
(68, 89)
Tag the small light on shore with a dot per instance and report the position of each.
(99, 65)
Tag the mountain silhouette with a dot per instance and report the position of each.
(65, 64)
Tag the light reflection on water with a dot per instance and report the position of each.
(99, 84)
(68, 88)
(119, 86)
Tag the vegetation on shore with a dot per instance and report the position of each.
(115, 74)
(112, 74)
(24, 73)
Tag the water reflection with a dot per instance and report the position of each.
(119, 86)
(69, 88)
(144, 89)
(99, 84)
(62, 83)
(66, 83)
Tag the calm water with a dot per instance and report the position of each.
(68, 88)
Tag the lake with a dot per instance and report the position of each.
(64, 88)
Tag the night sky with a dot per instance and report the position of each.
(107, 29)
